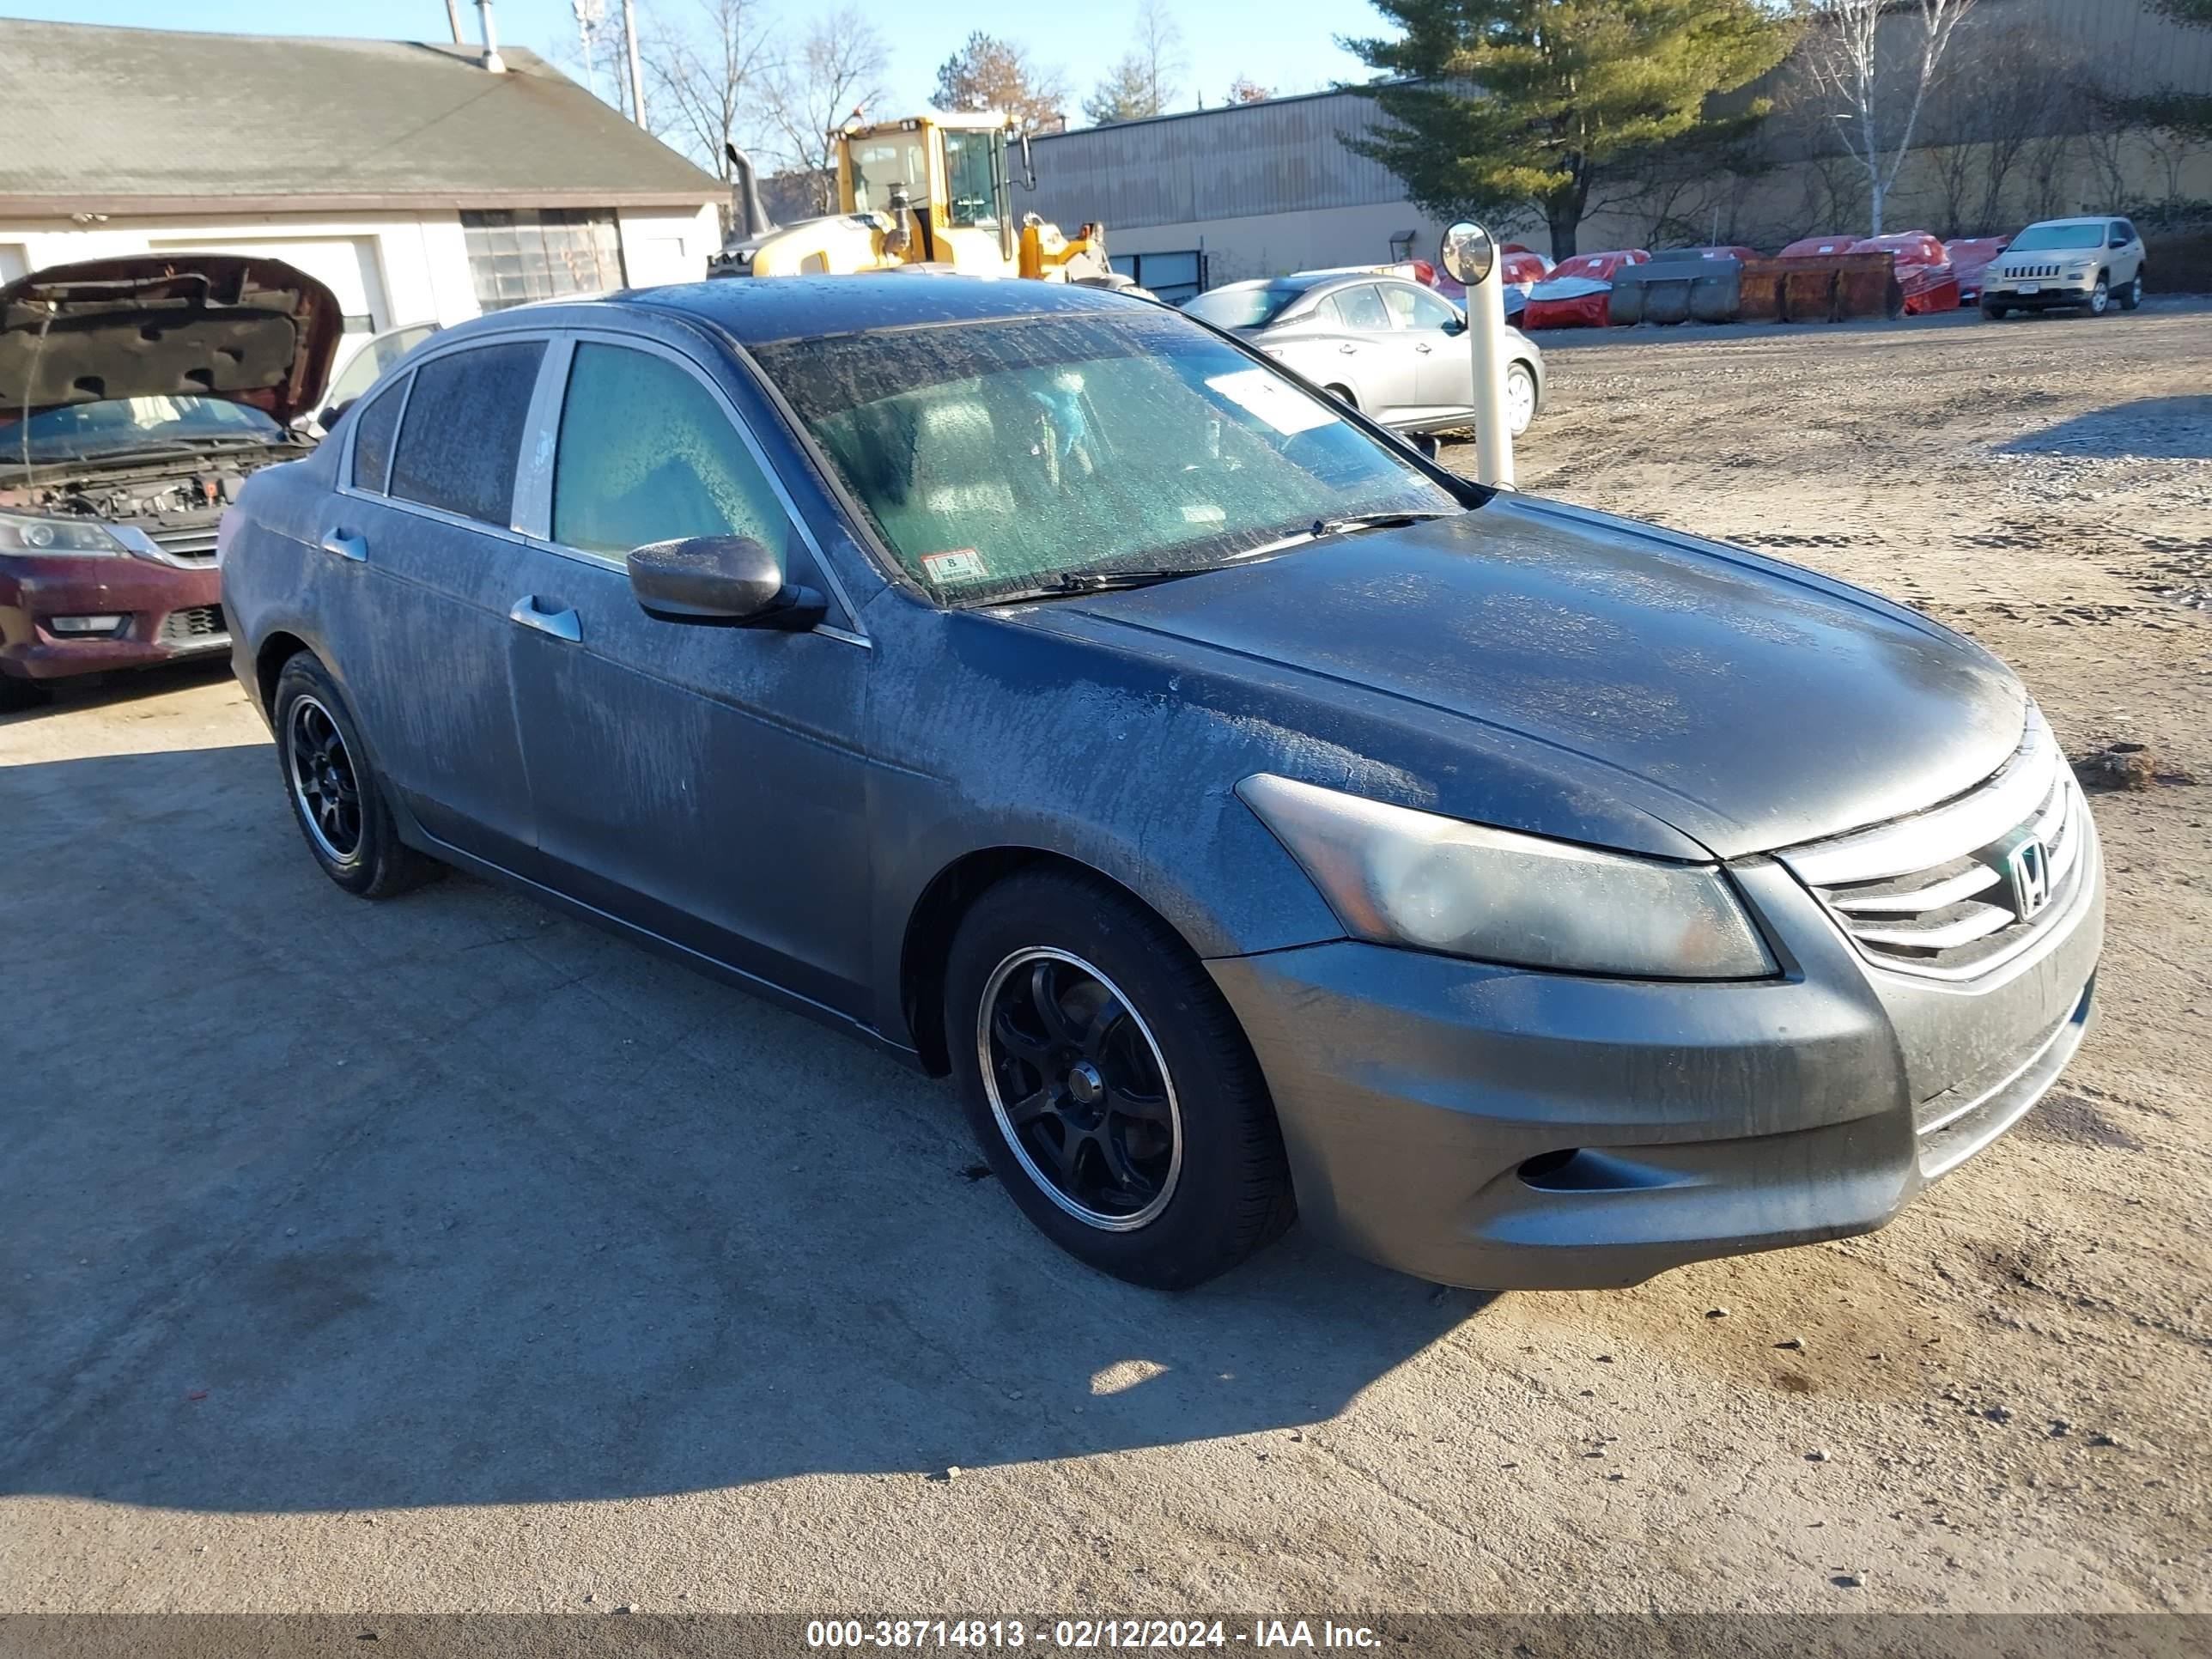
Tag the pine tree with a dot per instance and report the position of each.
(1500, 106)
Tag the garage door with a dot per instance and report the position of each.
(345, 264)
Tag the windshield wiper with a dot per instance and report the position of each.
(1346, 523)
(1070, 583)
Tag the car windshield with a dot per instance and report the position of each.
(74, 430)
(2052, 236)
(1006, 456)
(1247, 305)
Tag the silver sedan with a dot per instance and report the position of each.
(1393, 350)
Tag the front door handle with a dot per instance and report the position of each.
(1422, 347)
(346, 544)
(561, 625)
(1347, 348)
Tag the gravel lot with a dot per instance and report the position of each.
(447, 1254)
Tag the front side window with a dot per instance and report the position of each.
(464, 430)
(1000, 456)
(881, 165)
(541, 253)
(373, 429)
(1416, 307)
(647, 455)
(369, 362)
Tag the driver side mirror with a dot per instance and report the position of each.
(726, 581)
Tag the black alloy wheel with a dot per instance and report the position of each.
(335, 793)
(1080, 1088)
(325, 786)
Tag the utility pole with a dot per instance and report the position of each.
(454, 21)
(636, 81)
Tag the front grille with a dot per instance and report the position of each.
(2028, 273)
(199, 624)
(191, 547)
(1943, 892)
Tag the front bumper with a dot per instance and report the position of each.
(170, 611)
(1668, 1122)
(2052, 294)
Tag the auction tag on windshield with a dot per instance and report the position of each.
(1277, 403)
(963, 564)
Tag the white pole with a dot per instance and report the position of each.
(636, 81)
(1493, 437)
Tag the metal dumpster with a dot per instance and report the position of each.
(1678, 288)
(1830, 288)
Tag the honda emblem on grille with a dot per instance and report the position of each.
(2027, 867)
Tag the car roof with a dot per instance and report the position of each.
(2081, 219)
(760, 310)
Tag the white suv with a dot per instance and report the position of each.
(2088, 262)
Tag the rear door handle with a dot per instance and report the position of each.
(561, 625)
(346, 544)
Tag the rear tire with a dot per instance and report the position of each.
(338, 800)
(1520, 398)
(1109, 1083)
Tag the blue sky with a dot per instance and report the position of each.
(1290, 44)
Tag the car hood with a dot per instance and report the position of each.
(249, 330)
(1743, 702)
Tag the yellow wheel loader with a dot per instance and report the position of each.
(931, 192)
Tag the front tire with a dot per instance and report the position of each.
(1996, 313)
(1109, 1083)
(2100, 297)
(2131, 295)
(17, 695)
(338, 800)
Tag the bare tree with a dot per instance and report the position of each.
(1986, 114)
(1875, 90)
(837, 71)
(1143, 81)
(709, 81)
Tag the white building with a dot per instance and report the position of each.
(418, 185)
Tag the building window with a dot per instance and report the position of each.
(1174, 277)
(541, 253)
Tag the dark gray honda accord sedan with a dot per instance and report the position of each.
(1253, 819)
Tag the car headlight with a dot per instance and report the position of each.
(30, 532)
(1398, 877)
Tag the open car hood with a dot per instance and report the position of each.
(251, 330)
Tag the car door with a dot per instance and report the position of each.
(703, 782)
(1443, 356)
(421, 540)
(1378, 354)
(2127, 253)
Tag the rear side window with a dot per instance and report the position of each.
(464, 430)
(1362, 308)
(647, 455)
(373, 431)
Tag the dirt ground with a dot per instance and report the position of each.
(445, 1254)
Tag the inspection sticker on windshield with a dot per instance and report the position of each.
(962, 565)
(1277, 403)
